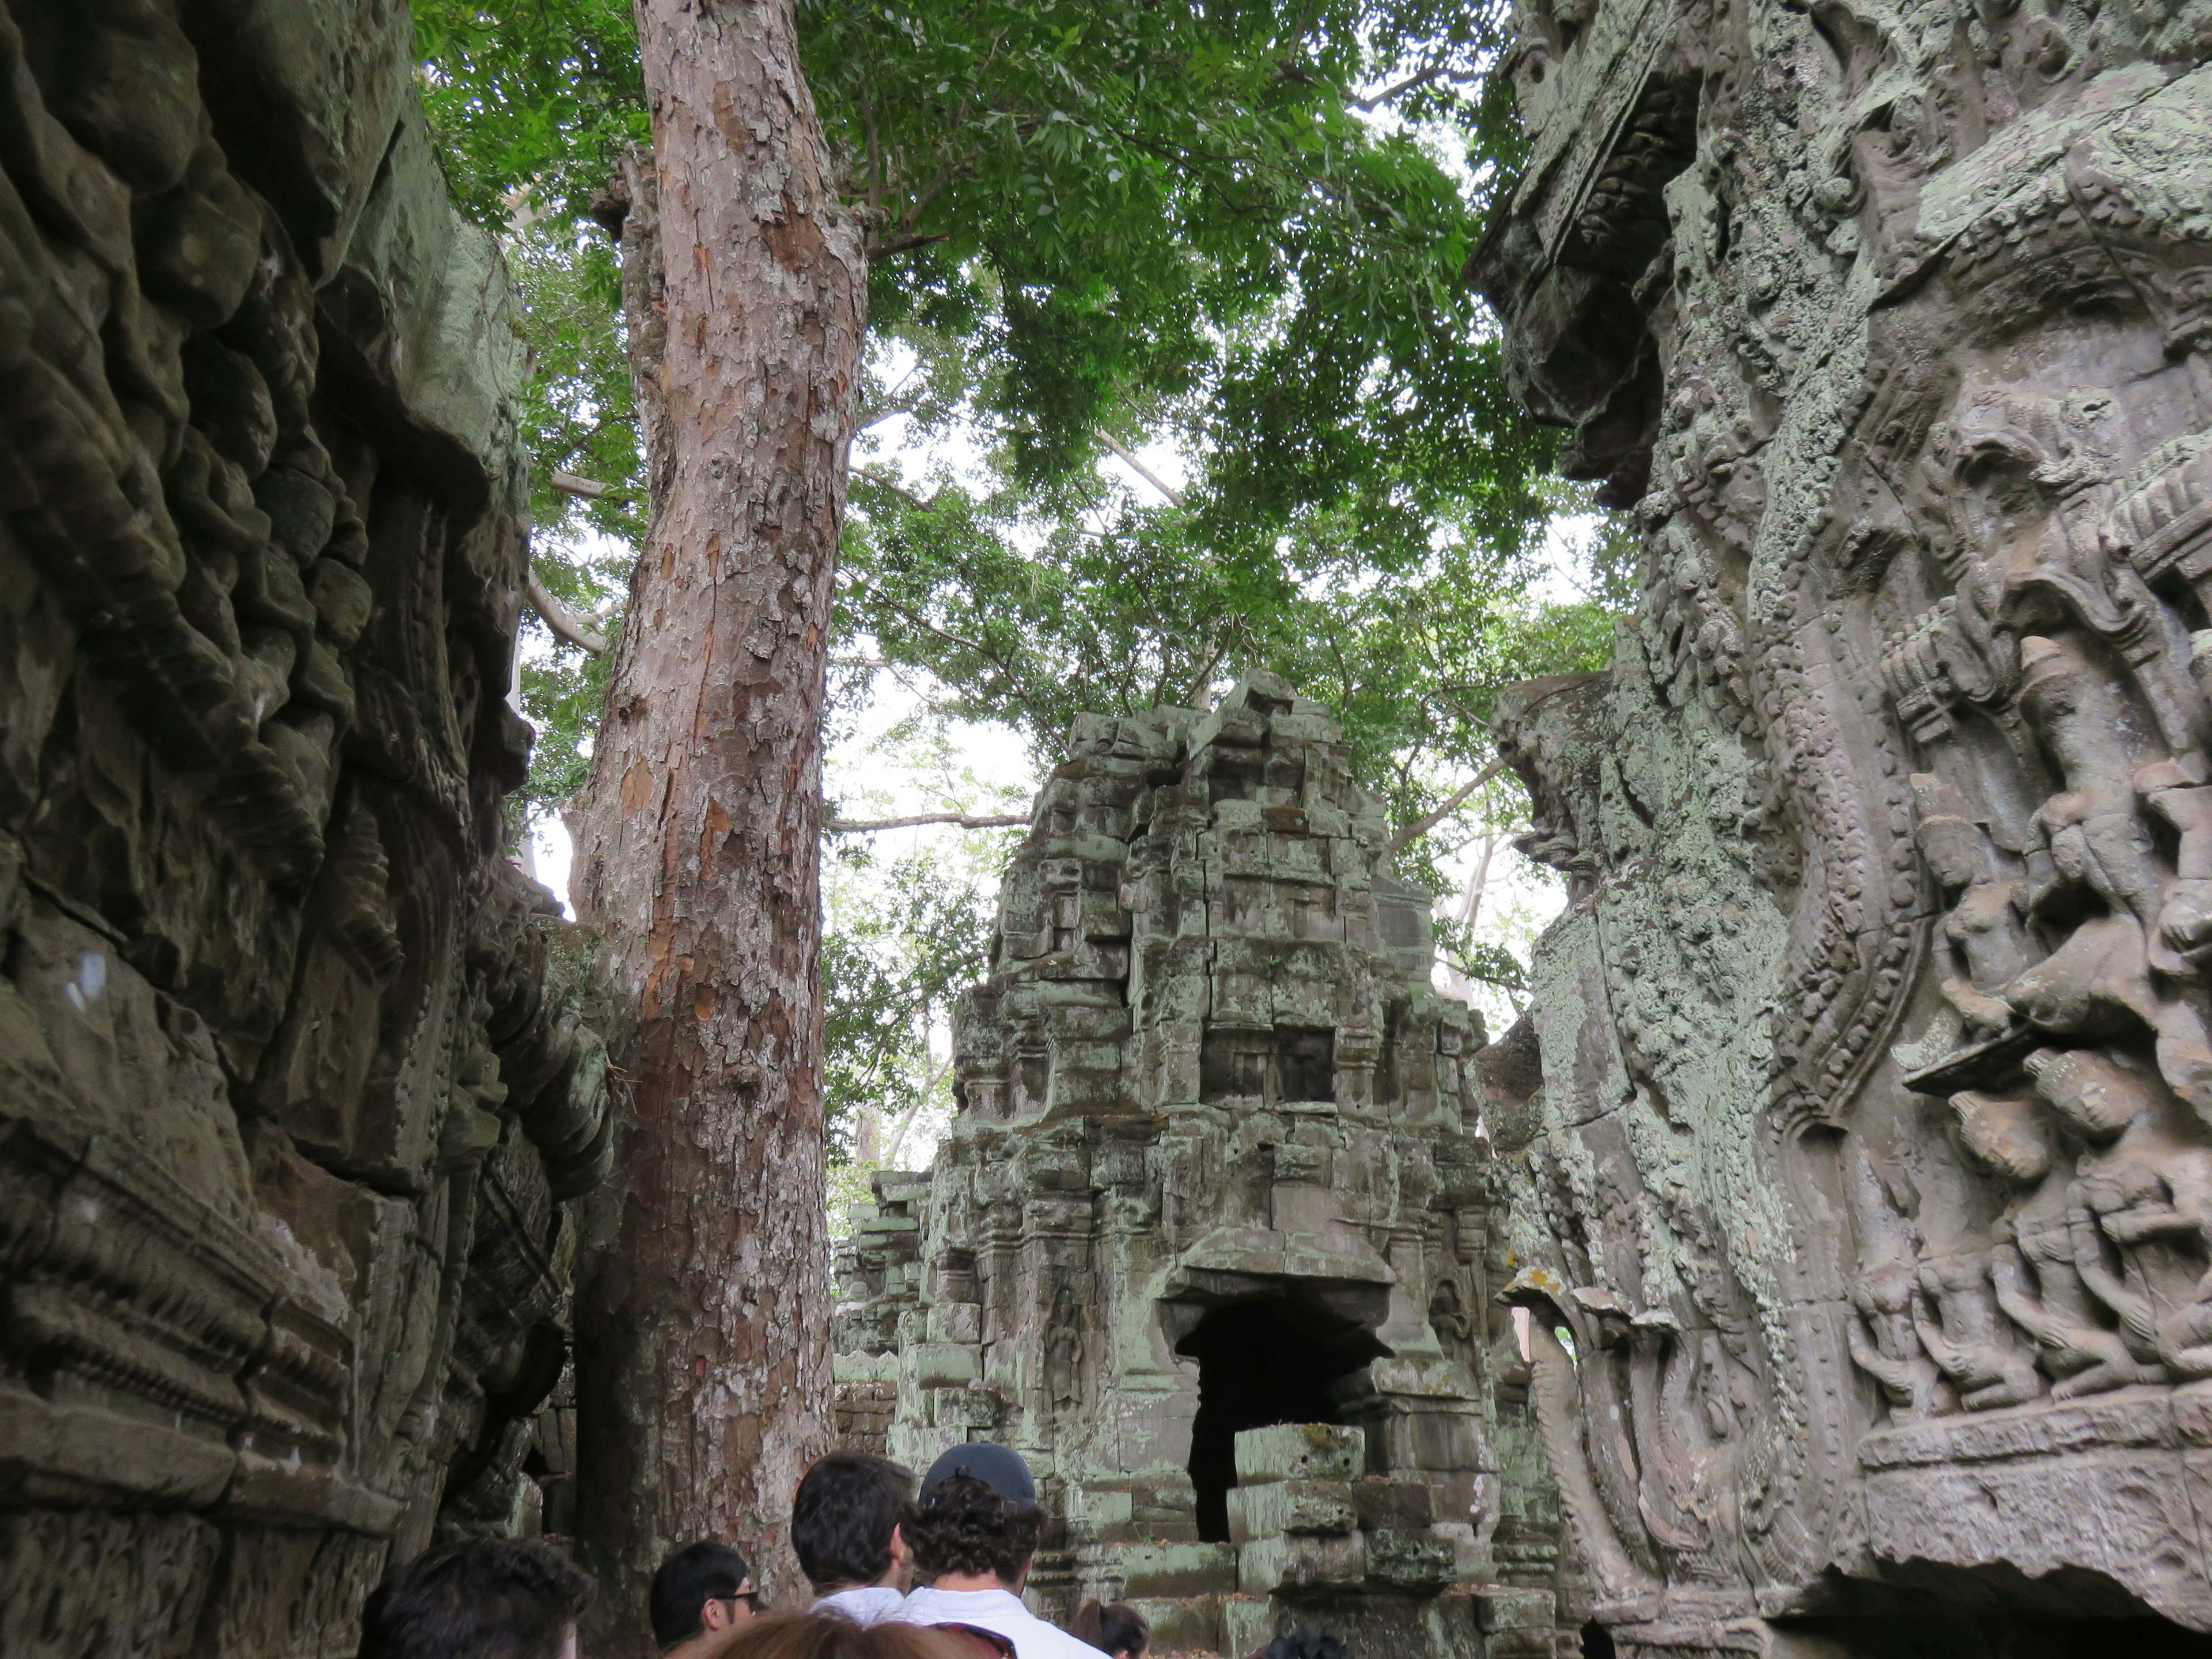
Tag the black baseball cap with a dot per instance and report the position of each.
(1000, 1468)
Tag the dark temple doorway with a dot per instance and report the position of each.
(1261, 1362)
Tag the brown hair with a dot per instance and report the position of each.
(1113, 1627)
(825, 1635)
(480, 1598)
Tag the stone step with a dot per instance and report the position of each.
(1181, 1624)
(1171, 1572)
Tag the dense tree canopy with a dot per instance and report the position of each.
(1235, 229)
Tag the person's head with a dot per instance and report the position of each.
(1113, 1627)
(823, 1636)
(482, 1598)
(701, 1588)
(845, 1523)
(978, 1516)
(1306, 1642)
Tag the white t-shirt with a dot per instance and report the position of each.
(996, 1610)
(869, 1604)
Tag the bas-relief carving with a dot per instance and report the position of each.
(291, 1090)
(1871, 1154)
(1207, 1079)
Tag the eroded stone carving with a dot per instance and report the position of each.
(1876, 1075)
(290, 1094)
(1216, 1168)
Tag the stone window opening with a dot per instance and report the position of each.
(1288, 1063)
(1261, 1362)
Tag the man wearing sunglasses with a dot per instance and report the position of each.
(700, 1591)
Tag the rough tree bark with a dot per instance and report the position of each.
(704, 1353)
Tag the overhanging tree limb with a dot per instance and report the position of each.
(1173, 496)
(965, 820)
(1421, 826)
(585, 489)
(565, 623)
(1410, 83)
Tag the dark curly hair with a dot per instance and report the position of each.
(1306, 1642)
(964, 1527)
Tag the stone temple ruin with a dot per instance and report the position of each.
(1850, 1181)
(1216, 1169)
(292, 1094)
(1857, 1150)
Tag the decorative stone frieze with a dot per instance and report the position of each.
(1861, 1167)
(292, 1086)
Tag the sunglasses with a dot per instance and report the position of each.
(754, 1601)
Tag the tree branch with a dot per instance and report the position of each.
(899, 244)
(875, 159)
(965, 820)
(1202, 681)
(565, 623)
(1173, 496)
(1412, 82)
(905, 1122)
(1481, 880)
(870, 422)
(928, 627)
(585, 489)
(897, 489)
(1421, 826)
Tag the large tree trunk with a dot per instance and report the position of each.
(704, 1326)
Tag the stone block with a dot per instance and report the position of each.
(959, 1322)
(2192, 1413)
(943, 1365)
(1410, 1560)
(1103, 1515)
(1291, 1506)
(964, 1408)
(1506, 1607)
(1384, 1502)
(1189, 1624)
(1282, 1563)
(1300, 1451)
(2124, 1513)
(1300, 1208)
(906, 1187)
(1420, 1439)
(1175, 1570)
(1248, 1623)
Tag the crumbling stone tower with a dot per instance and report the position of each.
(1215, 1169)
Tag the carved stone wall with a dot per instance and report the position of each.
(291, 1092)
(1215, 1172)
(1861, 1174)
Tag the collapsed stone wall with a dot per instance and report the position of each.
(292, 1089)
(1217, 1169)
(1859, 1167)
